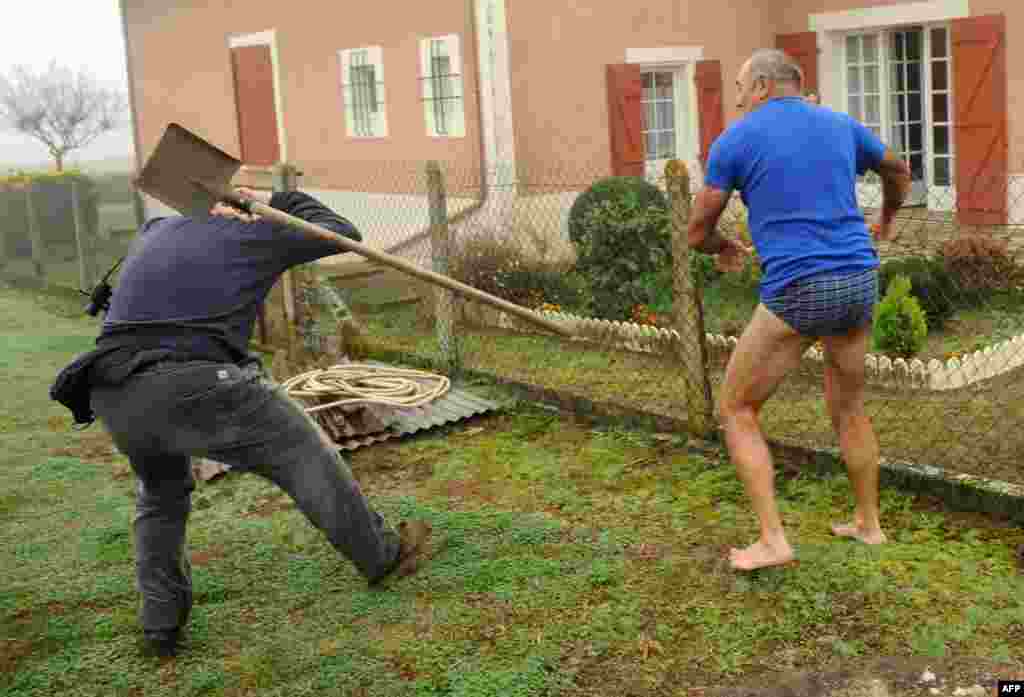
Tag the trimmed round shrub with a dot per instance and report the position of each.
(612, 189)
(930, 282)
(621, 231)
(900, 325)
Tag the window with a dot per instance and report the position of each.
(898, 84)
(362, 82)
(659, 119)
(440, 73)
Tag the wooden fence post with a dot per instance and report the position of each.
(687, 307)
(440, 249)
(285, 178)
(81, 244)
(35, 234)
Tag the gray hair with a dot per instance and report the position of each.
(773, 64)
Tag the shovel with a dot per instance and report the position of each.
(190, 175)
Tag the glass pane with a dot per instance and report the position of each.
(650, 143)
(648, 85)
(917, 167)
(914, 107)
(940, 76)
(871, 79)
(853, 80)
(897, 46)
(663, 85)
(872, 109)
(942, 177)
(667, 145)
(898, 139)
(853, 49)
(899, 83)
(870, 49)
(916, 136)
(649, 122)
(938, 43)
(940, 109)
(914, 39)
(941, 136)
(665, 116)
(854, 107)
(913, 77)
(899, 107)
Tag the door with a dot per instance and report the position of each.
(253, 71)
(897, 84)
(667, 121)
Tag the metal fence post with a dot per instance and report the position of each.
(687, 306)
(35, 235)
(440, 249)
(81, 244)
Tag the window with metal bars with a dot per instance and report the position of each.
(362, 77)
(442, 90)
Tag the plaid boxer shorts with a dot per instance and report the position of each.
(827, 304)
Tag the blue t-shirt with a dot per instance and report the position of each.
(795, 165)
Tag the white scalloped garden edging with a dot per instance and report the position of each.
(935, 375)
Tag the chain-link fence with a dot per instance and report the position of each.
(608, 259)
(65, 229)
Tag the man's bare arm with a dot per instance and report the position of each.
(702, 234)
(895, 174)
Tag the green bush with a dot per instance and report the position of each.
(627, 242)
(930, 282)
(619, 240)
(900, 325)
(611, 189)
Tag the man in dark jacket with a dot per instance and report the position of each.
(176, 380)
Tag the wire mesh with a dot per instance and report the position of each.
(66, 231)
(952, 403)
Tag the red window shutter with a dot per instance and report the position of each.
(625, 123)
(803, 48)
(980, 121)
(257, 113)
(710, 106)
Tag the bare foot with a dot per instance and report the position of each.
(759, 555)
(852, 530)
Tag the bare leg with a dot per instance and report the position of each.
(767, 351)
(857, 442)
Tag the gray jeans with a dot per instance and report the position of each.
(161, 416)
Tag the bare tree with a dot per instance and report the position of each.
(58, 107)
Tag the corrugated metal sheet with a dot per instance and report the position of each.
(454, 406)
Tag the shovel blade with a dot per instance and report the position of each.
(180, 157)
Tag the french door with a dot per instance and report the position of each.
(898, 83)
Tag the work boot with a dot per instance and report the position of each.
(161, 644)
(413, 538)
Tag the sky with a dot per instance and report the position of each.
(77, 33)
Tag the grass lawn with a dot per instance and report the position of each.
(579, 561)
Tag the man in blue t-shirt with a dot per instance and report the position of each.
(796, 165)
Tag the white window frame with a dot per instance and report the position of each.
(375, 123)
(831, 28)
(934, 196)
(454, 104)
(681, 62)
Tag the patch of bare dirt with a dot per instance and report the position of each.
(90, 446)
(205, 556)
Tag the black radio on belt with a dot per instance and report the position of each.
(99, 298)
